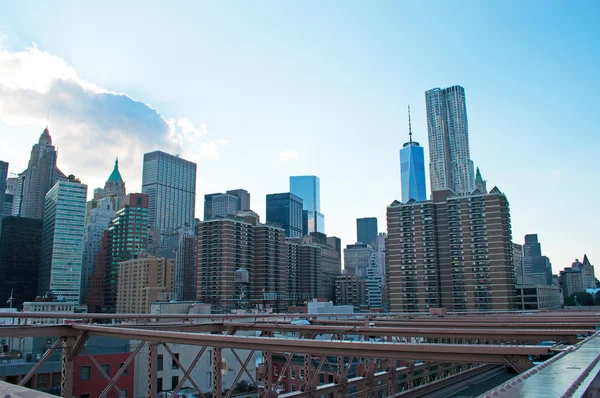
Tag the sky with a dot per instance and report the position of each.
(257, 91)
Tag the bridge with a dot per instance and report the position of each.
(368, 355)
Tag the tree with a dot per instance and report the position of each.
(598, 297)
(580, 299)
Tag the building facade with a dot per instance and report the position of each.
(587, 269)
(36, 181)
(450, 164)
(62, 241)
(571, 281)
(518, 262)
(3, 177)
(534, 296)
(412, 169)
(308, 188)
(534, 264)
(224, 246)
(98, 220)
(328, 266)
(366, 230)
(357, 258)
(20, 244)
(185, 264)
(170, 183)
(453, 251)
(143, 281)
(127, 239)
(350, 290)
(286, 209)
(243, 198)
(270, 266)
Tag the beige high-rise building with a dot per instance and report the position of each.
(454, 251)
(143, 281)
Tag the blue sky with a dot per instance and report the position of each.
(233, 85)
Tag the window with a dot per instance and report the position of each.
(293, 387)
(159, 387)
(276, 370)
(43, 381)
(56, 379)
(106, 369)
(292, 373)
(125, 393)
(126, 371)
(85, 373)
(301, 373)
(174, 382)
(173, 363)
(84, 396)
(159, 362)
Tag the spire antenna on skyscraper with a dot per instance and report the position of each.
(409, 126)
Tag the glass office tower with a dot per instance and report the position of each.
(286, 209)
(450, 164)
(62, 240)
(308, 188)
(412, 169)
(366, 230)
(170, 183)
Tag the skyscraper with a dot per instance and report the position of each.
(366, 230)
(170, 183)
(450, 164)
(308, 188)
(534, 264)
(243, 197)
(453, 251)
(286, 209)
(412, 169)
(3, 175)
(62, 240)
(224, 246)
(20, 242)
(36, 181)
(127, 238)
(97, 221)
(222, 204)
(185, 264)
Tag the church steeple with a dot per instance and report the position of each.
(480, 183)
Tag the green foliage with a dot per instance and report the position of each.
(580, 299)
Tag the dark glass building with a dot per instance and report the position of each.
(366, 230)
(534, 264)
(20, 244)
(286, 209)
(308, 188)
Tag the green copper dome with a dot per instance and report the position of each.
(115, 176)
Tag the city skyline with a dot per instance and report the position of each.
(516, 135)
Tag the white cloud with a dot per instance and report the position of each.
(90, 125)
(288, 155)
